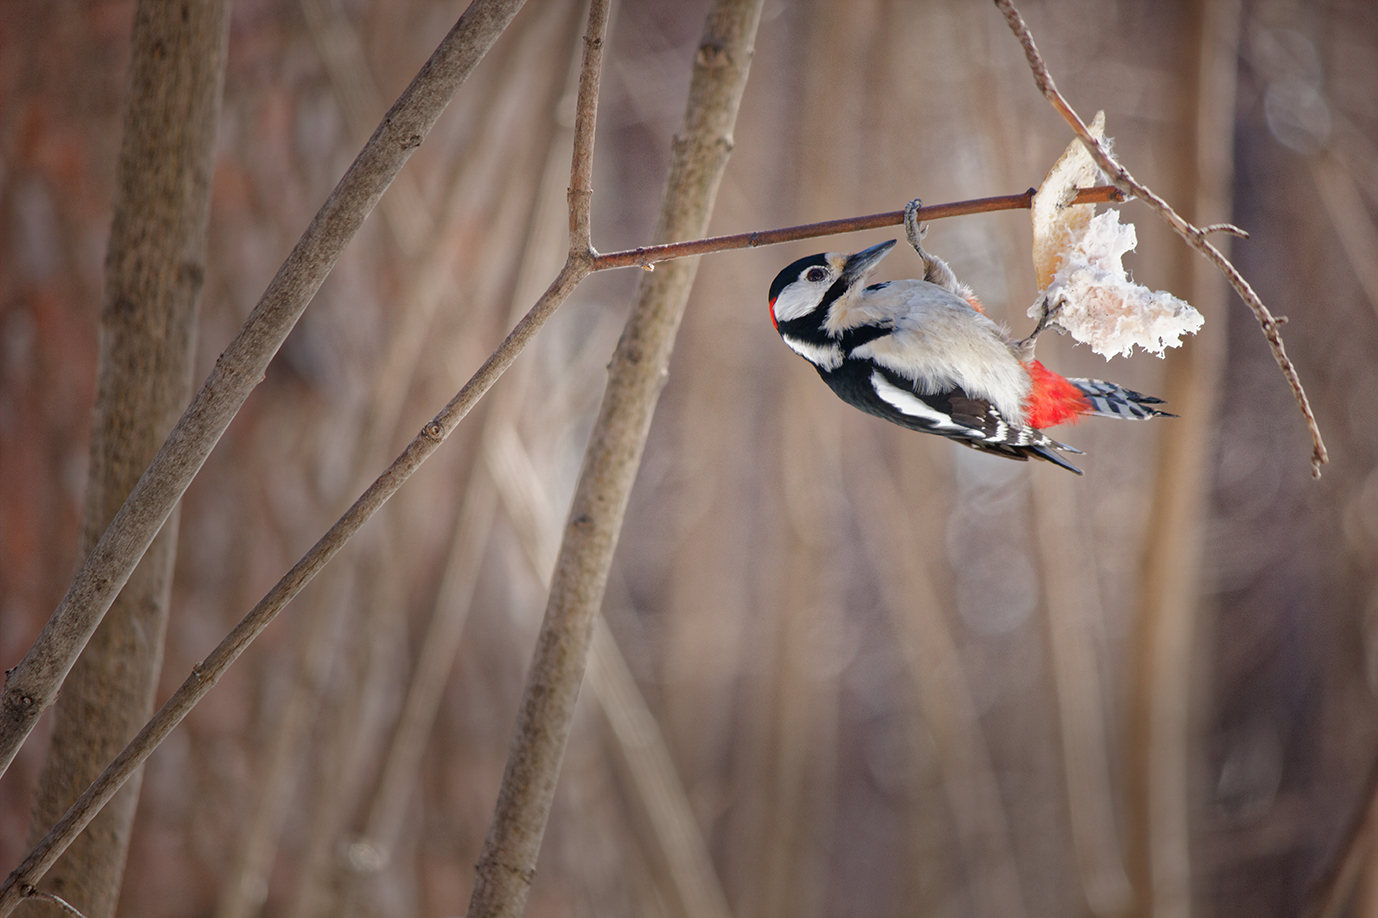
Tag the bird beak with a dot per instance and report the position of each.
(860, 264)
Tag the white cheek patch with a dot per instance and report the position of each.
(908, 403)
(796, 301)
(827, 356)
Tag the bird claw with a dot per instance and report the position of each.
(912, 230)
(935, 270)
(1047, 319)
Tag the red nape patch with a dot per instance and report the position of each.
(975, 303)
(772, 315)
(1052, 400)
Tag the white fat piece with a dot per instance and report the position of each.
(938, 341)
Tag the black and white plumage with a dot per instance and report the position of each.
(920, 353)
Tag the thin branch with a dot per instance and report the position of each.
(1192, 235)
(635, 377)
(61, 903)
(205, 674)
(646, 256)
(31, 687)
(387, 812)
(209, 671)
(585, 119)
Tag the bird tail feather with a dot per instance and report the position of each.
(1108, 400)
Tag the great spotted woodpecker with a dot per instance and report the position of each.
(923, 354)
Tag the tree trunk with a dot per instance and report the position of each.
(154, 271)
(635, 378)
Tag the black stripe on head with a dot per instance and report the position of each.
(792, 272)
(839, 287)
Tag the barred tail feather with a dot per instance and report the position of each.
(1108, 400)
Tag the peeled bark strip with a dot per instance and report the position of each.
(635, 378)
(154, 269)
(32, 686)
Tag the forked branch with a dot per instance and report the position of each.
(1194, 236)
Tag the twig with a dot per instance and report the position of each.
(387, 811)
(1192, 235)
(645, 256)
(634, 381)
(31, 686)
(208, 672)
(30, 893)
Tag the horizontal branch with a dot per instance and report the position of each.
(646, 256)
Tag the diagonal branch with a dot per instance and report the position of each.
(205, 675)
(31, 687)
(1193, 236)
(635, 377)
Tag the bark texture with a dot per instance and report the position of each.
(155, 265)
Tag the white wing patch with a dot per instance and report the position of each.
(827, 356)
(913, 406)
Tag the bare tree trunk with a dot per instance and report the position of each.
(636, 375)
(154, 271)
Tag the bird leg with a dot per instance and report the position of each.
(935, 270)
(1047, 319)
(912, 230)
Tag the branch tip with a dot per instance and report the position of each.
(1192, 235)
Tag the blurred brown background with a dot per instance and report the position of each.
(893, 677)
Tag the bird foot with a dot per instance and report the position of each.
(935, 270)
(1047, 319)
(912, 230)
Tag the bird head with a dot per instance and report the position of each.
(812, 284)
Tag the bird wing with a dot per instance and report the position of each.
(951, 413)
(936, 341)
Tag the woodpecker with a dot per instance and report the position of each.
(923, 354)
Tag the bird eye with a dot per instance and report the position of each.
(817, 275)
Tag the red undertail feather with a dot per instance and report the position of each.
(1052, 400)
